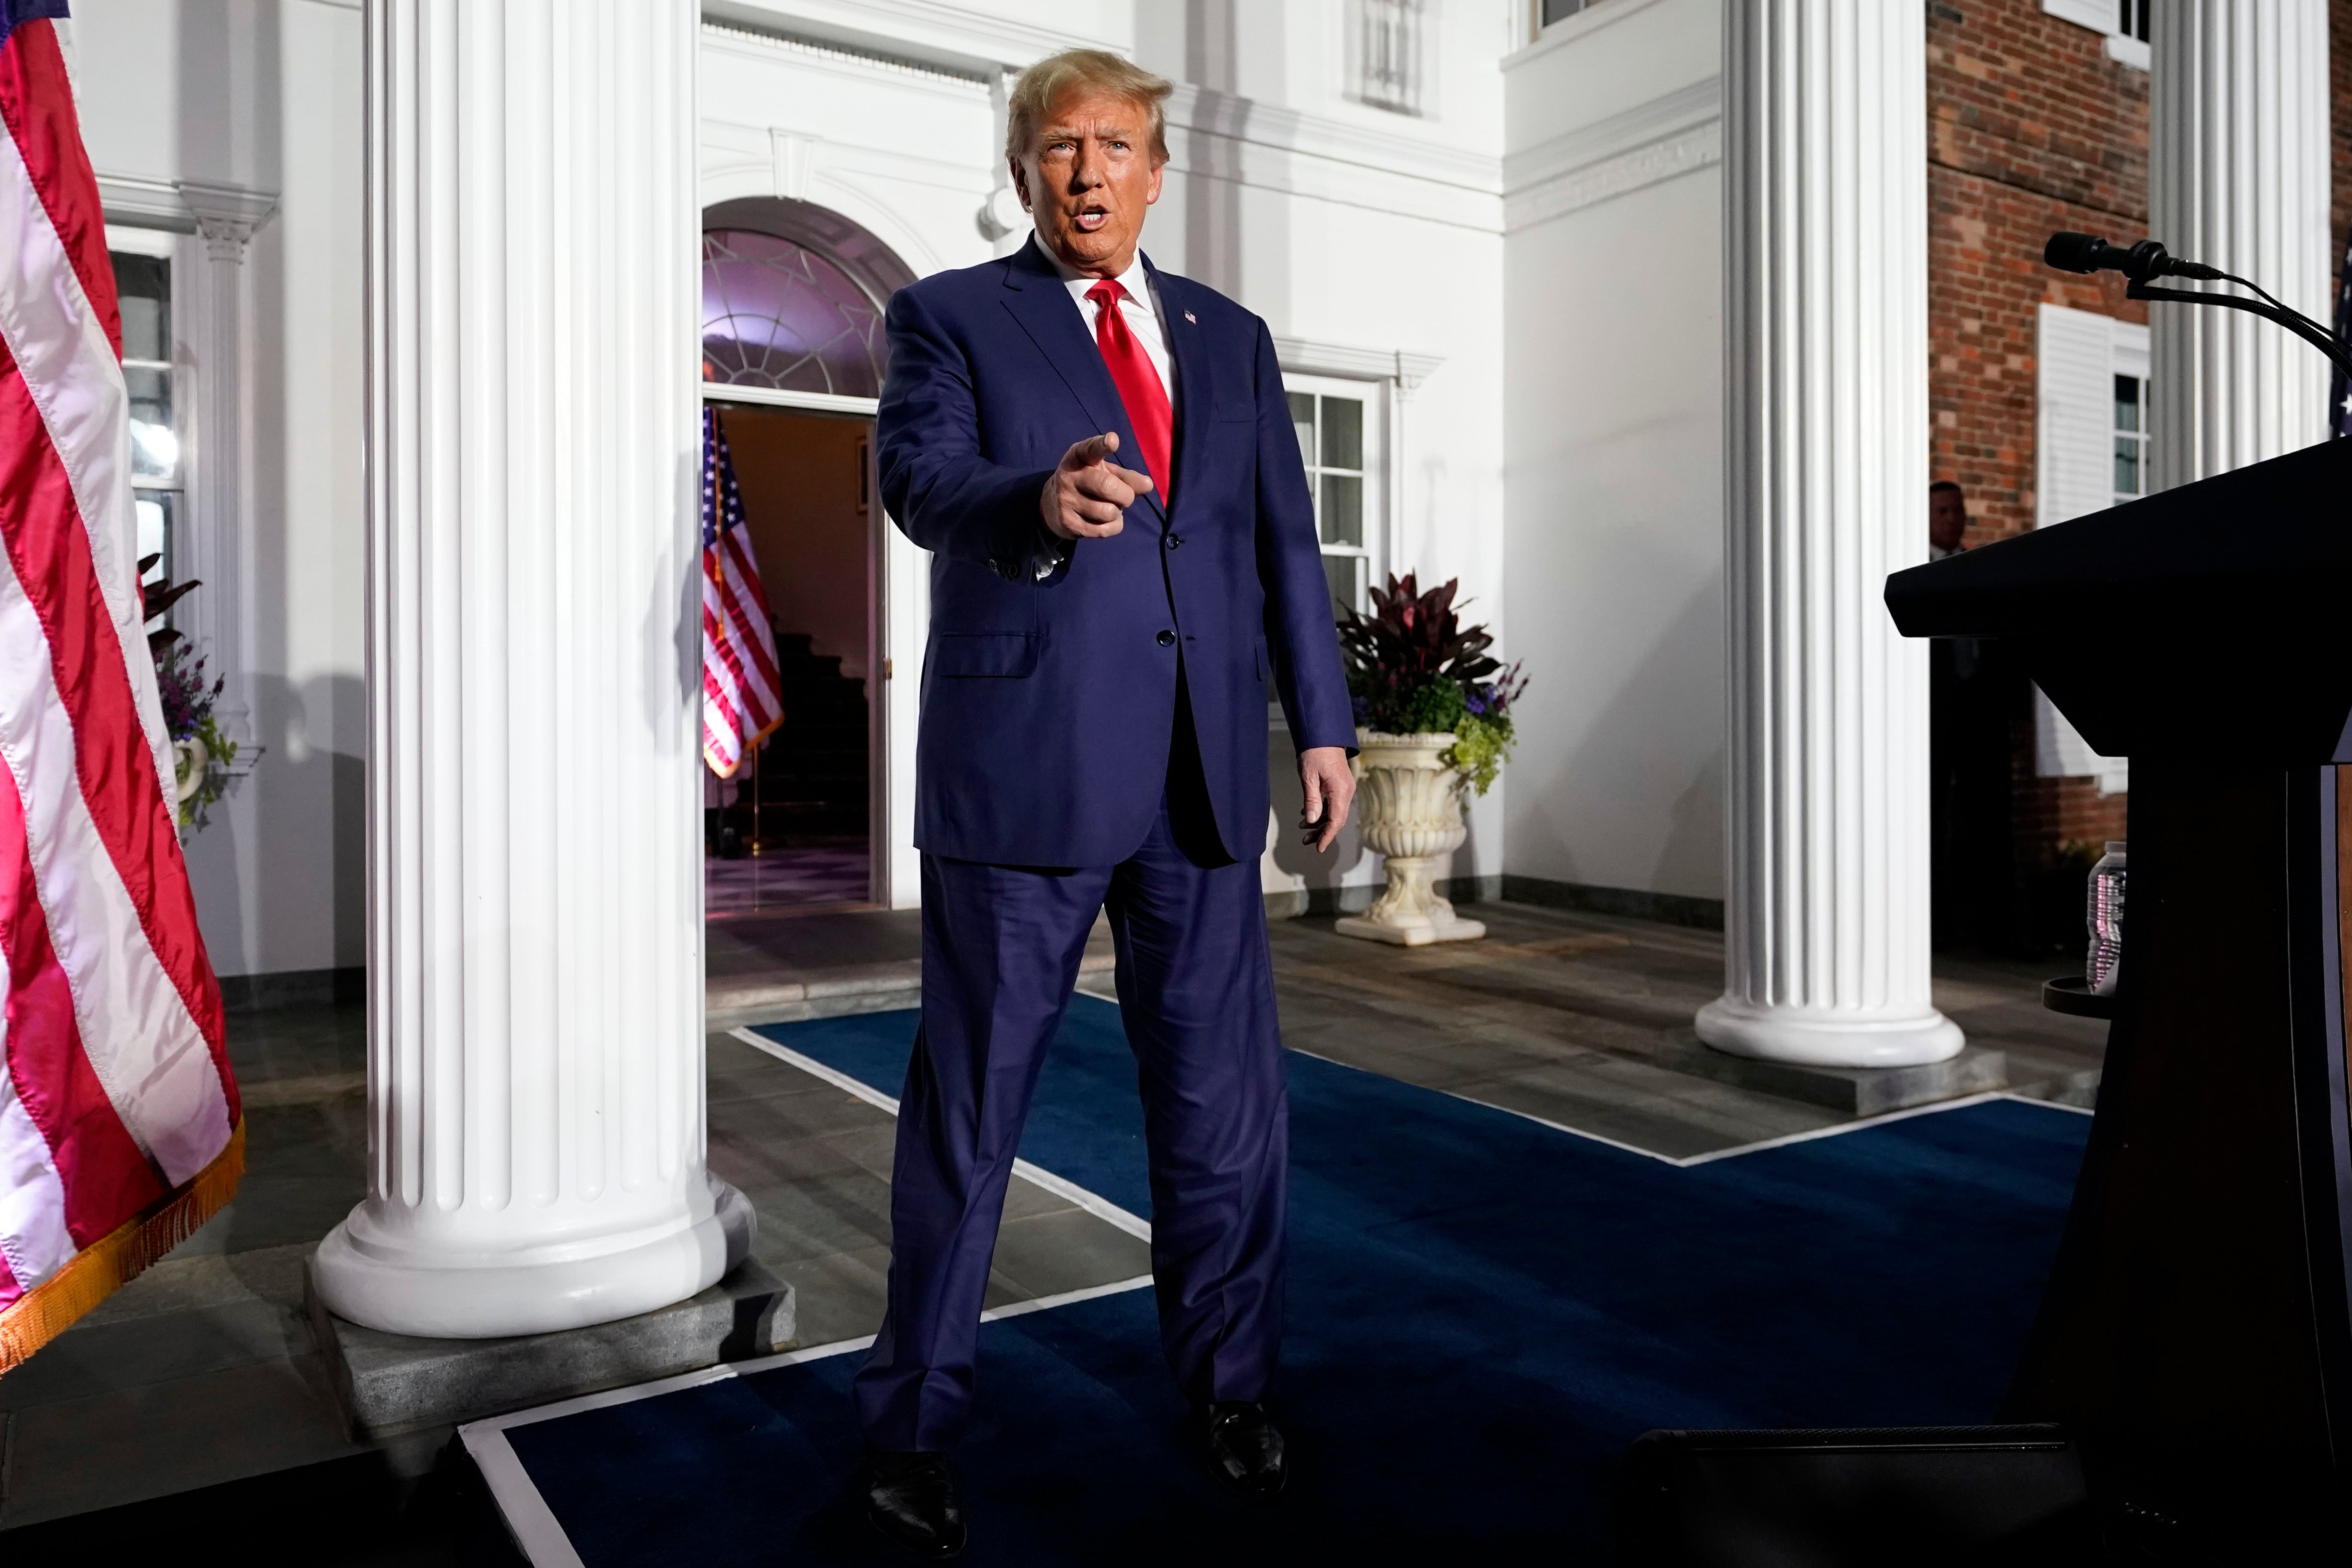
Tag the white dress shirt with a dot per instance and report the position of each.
(1141, 308)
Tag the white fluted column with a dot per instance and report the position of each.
(535, 1072)
(215, 549)
(1825, 460)
(2238, 177)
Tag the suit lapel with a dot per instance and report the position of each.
(1196, 385)
(1035, 296)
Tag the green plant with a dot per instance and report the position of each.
(1414, 669)
(188, 702)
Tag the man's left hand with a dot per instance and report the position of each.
(1329, 785)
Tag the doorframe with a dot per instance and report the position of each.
(877, 619)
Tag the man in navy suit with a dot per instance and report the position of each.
(1099, 456)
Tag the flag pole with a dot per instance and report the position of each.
(759, 800)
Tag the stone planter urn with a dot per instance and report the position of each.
(1409, 809)
(189, 758)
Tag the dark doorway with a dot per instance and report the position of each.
(794, 828)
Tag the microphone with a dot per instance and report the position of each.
(2142, 263)
(2070, 252)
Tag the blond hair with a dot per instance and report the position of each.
(1036, 89)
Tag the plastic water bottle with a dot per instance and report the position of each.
(2106, 920)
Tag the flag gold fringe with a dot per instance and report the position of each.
(104, 1266)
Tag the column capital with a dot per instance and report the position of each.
(227, 215)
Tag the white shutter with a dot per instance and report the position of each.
(2099, 16)
(2075, 422)
(2074, 465)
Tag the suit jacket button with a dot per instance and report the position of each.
(1175, 542)
(1166, 639)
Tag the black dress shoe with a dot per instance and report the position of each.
(912, 1499)
(1245, 1449)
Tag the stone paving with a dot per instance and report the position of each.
(202, 1371)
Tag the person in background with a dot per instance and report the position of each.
(1948, 519)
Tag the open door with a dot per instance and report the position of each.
(797, 828)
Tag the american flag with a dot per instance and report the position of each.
(120, 1130)
(743, 700)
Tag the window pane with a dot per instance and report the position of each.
(1343, 510)
(778, 314)
(153, 510)
(144, 285)
(2127, 466)
(2127, 403)
(1342, 572)
(1302, 419)
(1343, 433)
(155, 447)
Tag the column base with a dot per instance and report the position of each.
(382, 1281)
(1829, 1040)
(391, 1385)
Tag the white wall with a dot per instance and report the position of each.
(1613, 374)
(1361, 235)
(264, 96)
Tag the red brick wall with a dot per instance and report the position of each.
(2339, 81)
(2031, 128)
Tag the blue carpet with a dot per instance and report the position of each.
(1484, 1311)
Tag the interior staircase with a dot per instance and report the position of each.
(813, 770)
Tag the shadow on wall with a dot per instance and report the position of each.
(1216, 249)
(289, 841)
(1601, 816)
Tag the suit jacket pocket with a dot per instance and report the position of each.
(988, 654)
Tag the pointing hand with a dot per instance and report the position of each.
(1088, 496)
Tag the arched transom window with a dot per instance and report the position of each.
(781, 314)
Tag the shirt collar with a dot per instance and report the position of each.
(1135, 280)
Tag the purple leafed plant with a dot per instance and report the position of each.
(1414, 669)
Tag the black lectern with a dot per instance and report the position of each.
(2195, 1333)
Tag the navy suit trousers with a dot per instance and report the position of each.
(1001, 951)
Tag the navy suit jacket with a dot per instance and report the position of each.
(1048, 705)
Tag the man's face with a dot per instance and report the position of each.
(1087, 179)
(1948, 519)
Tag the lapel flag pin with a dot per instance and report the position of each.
(1192, 318)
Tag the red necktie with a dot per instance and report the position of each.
(1139, 383)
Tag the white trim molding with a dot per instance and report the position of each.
(222, 214)
(1584, 24)
(951, 38)
(1217, 135)
(1307, 357)
(776, 397)
(227, 215)
(1661, 140)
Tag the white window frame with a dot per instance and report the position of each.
(2105, 18)
(1375, 396)
(1536, 26)
(1396, 33)
(2130, 358)
(169, 249)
